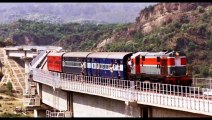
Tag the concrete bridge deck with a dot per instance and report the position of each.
(192, 101)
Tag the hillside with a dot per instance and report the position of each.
(71, 36)
(175, 26)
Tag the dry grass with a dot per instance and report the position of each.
(8, 105)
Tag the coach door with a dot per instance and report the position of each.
(164, 68)
(95, 66)
(137, 64)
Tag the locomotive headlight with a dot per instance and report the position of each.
(177, 54)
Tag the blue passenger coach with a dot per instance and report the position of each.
(108, 64)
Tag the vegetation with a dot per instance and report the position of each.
(84, 35)
(10, 115)
(9, 86)
(7, 89)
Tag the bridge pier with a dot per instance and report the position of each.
(27, 72)
(146, 111)
(130, 108)
(39, 113)
(70, 102)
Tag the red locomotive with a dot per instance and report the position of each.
(165, 67)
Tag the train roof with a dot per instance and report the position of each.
(118, 55)
(76, 54)
(113, 55)
(56, 53)
(139, 53)
(155, 53)
(166, 53)
(148, 54)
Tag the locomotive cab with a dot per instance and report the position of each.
(177, 72)
(177, 64)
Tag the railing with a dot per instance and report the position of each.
(202, 82)
(54, 114)
(38, 57)
(185, 98)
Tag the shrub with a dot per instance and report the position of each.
(176, 24)
(204, 71)
(202, 28)
(186, 26)
(192, 46)
(204, 17)
(200, 9)
(1, 97)
(184, 19)
(9, 86)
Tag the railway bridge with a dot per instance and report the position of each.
(70, 95)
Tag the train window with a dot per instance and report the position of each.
(118, 62)
(137, 60)
(106, 66)
(158, 59)
(143, 58)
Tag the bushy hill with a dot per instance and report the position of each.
(175, 26)
(71, 36)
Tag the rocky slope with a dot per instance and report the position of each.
(175, 26)
(159, 15)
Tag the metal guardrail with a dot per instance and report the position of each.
(184, 98)
(57, 114)
(202, 82)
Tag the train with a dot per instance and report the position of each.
(167, 67)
